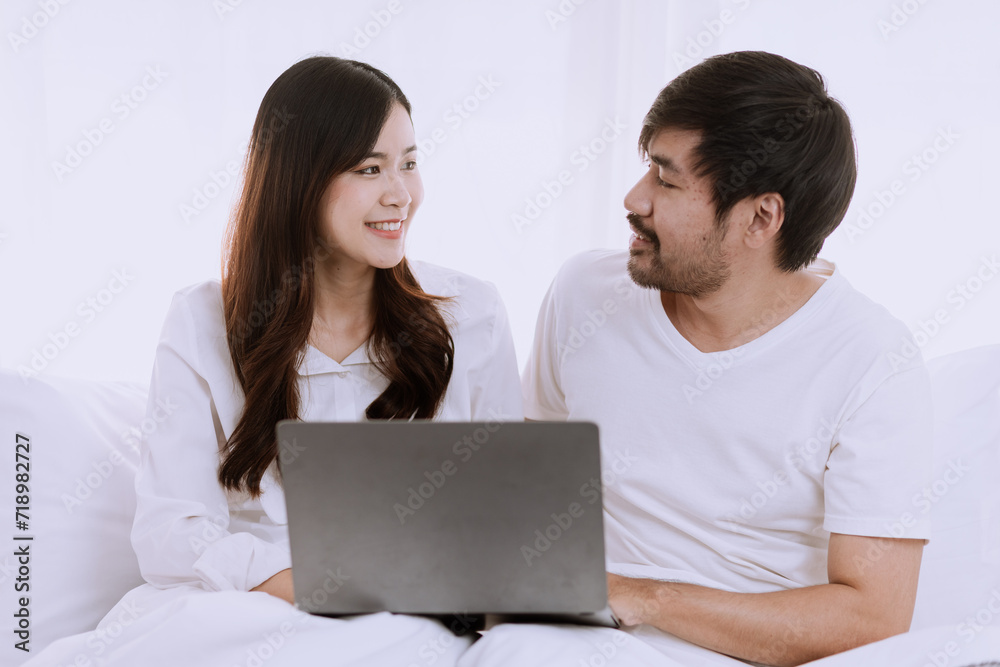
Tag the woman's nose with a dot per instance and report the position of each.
(396, 193)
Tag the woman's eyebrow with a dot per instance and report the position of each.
(382, 156)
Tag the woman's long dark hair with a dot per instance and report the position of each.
(320, 118)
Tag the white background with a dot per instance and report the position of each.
(562, 72)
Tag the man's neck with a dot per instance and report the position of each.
(745, 308)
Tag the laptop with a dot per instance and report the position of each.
(498, 520)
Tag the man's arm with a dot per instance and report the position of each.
(872, 590)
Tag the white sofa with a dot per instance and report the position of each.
(84, 449)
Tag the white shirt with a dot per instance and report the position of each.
(731, 469)
(187, 528)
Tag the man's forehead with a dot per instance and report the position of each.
(672, 149)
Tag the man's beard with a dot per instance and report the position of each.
(695, 276)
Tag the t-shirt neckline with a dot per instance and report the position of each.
(696, 358)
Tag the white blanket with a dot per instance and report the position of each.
(569, 646)
(193, 628)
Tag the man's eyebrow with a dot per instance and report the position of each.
(382, 156)
(666, 163)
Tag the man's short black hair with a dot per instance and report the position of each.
(766, 125)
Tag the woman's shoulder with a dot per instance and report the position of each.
(205, 293)
(474, 307)
(474, 294)
(195, 325)
(198, 307)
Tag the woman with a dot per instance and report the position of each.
(320, 317)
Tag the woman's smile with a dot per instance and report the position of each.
(387, 229)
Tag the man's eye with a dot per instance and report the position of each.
(372, 170)
(664, 183)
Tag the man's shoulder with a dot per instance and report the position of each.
(873, 331)
(592, 272)
(598, 263)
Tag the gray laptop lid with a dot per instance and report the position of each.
(439, 517)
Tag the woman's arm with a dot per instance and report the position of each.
(181, 528)
(280, 586)
(495, 386)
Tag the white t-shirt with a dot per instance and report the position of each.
(731, 469)
(187, 529)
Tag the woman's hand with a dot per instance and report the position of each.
(280, 586)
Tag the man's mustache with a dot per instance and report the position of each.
(636, 223)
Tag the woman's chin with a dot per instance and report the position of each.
(387, 262)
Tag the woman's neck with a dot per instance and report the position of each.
(342, 309)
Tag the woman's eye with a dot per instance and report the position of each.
(410, 165)
(372, 170)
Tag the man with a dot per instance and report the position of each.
(775, 433)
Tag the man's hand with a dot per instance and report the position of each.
(632, 600)
(872, 589)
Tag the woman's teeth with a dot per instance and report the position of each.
(385, 226)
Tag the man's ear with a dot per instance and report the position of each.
(768, 216)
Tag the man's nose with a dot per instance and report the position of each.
(637, 199)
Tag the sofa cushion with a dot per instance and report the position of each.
(960, 572)
(80, 443)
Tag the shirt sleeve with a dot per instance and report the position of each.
(180, 532)
(544, 399)
(882, 460)
(495, 389)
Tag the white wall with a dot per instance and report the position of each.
(556, 86)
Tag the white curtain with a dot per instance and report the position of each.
(123, 124)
